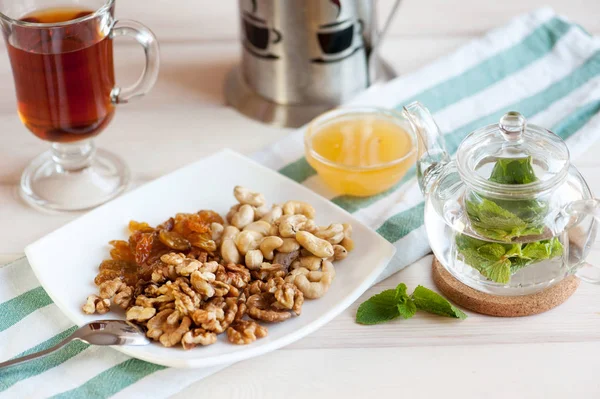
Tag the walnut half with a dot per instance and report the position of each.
(244, 332)
(198, 336)
(95, 304)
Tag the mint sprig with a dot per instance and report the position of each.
(394, 303)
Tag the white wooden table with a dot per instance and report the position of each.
(553, 355)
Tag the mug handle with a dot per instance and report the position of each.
(145, 37)
(570, 217)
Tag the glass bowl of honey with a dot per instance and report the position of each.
(360, 151)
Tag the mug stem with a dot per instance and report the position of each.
(71, 157)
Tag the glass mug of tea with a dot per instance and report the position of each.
(62, 63)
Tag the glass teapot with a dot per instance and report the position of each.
(509, 215)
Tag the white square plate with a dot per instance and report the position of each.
(66, 261)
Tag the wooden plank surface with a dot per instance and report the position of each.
(553, 355)
(520, 371)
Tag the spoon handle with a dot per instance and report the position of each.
(36, 355)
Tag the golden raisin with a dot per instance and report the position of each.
(139, 226)
(117, 265)
(203, 241)
(174, 240)
(180, 224)
(195, 224)
(141, 245)
(121, 251)
(166, 225)
(210, 217)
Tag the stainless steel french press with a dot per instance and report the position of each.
(302, 57)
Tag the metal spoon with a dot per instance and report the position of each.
(99, 332)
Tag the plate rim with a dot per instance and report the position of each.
(251, 352)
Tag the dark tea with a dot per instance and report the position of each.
(63, 77)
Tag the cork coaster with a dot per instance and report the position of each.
(502, 306)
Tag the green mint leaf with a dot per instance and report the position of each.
(492, 250)
(407, 309)
(514, 250)
(544, 249)
(530, 211)
(432, 302)
(518, 263)
(467, 247)
(556, 248)
(401, 292)
(513, 171)
(381, 307)
(492, 221)
(492, 260)
(538, 250)
(498, 271)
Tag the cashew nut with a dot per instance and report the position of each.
(310, 262)
(229, 251)
(232, 211)
(268, 244)
(310, 226)
(216, 230)
(230, 232)
(290, 224)
(254, 259)
(260, 226)
(247, 240)
(339, 252)
(261, 211)
(296, 270)
(347, 230)
(315, 284)
(274, 230)
(299, 207)
(289, 245)
(274, 214)
(243, 217)
(347, 242)
(245, 196)
(334, 233)
(314, 245)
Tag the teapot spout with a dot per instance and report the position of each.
(432, 154)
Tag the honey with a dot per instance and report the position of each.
(360, 153)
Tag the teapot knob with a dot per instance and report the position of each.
(512, 125)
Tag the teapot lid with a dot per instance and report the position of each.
(544, 154)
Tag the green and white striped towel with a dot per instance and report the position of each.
(539, 64)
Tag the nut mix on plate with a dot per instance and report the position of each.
(196, 275)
